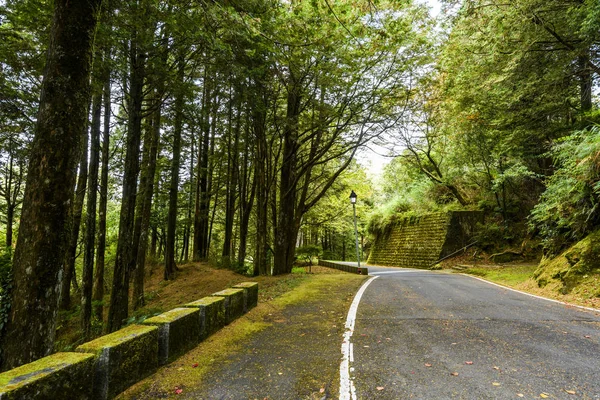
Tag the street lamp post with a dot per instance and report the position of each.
(353, 201)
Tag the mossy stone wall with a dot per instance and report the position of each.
(178, 332)
(104, 367)
(250, 294)
(234, 303)
(418, 242)
(123, 357)
(344, 267)
(212, 314)
(70, 374)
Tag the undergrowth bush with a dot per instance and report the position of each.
(569, 208)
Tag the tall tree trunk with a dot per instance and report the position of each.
(259, 116)
(232, 182)
(98, 289)
(246, 202)
(148, 175)
(211, 176)
(286, 228)
(170, 266)
(75, 219)
(147, 183)
(202, 220)
(188, 223)
(125, 257)
(201, 213)
(39, 255)
(586, 83)
(90, 233)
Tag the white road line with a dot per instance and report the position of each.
(533, 295)
(347, 389)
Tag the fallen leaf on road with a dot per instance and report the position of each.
(322, 390)
(454, 373)
(587, 337)
(379, 387)
(428, 365)
(495, 383)
(280, 373)
(178, 391)
(496, 368)
(571, 391)
(195, 365)
(365, 346)
(469, 362)
(544, 395)
(520, 395)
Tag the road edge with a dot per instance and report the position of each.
(533, 295)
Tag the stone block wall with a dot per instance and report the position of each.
(343, 267)
(418, 242)
(106, 366)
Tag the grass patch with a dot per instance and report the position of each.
(510, 275)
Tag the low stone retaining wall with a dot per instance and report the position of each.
(104, 367)
(344, 267)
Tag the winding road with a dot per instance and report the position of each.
(430, 335)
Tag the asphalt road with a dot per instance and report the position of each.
(430, 335)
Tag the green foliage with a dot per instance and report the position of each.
(308, 252)
(568, 209)
(5, 285)
(493, 235)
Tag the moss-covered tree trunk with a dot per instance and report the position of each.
(75, 225)
(87, 275)
(62, 118)
(142, 223)
(286, 229)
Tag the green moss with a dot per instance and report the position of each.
(115, 338)
(40, 368)
(123, 358)
(227, 292)
(170, 316)
(246, 285)
(234, 303)
(205, 301)
(571, 267)
(68, 373)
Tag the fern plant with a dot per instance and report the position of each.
(569, 208)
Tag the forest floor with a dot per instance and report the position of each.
(192, 282)
(518, 275)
